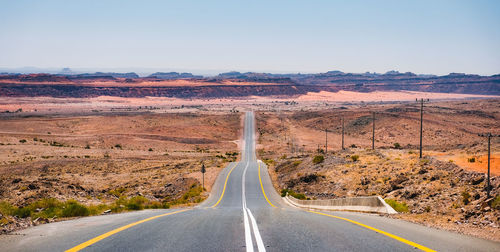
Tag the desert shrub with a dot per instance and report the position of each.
(318, 159)
(22, 141)
(118, 146)
(6, 208)
(268, 162)
(117, 191)
(355, 158)
(150, 149)
(398, 206)
(283, 157)
(465, 197)
(87, 146)
(397, 146)
(136, 203)
(290, 192)
(22, 212)
(471, 160)
(297, 162)
(495, 203)
(353, 146)
(424, 161)
(72, 209)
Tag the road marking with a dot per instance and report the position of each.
(413, 244)
(225, 184)
(248, 234)
(246, 213)
(114, 231)
(262, 186)
(258, 238)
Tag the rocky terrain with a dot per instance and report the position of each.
(235, 84)
(444, 189)
(108, 163)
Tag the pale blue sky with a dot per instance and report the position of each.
(421, 36)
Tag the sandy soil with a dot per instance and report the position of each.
(309, 102)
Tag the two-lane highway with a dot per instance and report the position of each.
(243, 213)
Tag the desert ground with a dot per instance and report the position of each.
(104, 151)
(445, 189)
(101, 159)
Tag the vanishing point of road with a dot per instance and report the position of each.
(243, 213)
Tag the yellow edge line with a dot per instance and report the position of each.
(416, 245)
(264, 192)
(225, 184)
(114, 231)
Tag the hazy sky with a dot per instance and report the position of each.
(274, 36)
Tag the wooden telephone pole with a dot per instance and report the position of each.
(373, 131)
(326, 141)
(421, 123)
(489, 136)
(343, 133)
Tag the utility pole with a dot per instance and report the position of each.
(489, 135)
(326, 141)
(342, 133)
(421, 122)
(373, 132)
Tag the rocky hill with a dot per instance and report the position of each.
(236, 84)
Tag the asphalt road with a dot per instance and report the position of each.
(243, 213)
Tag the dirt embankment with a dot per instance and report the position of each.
(444, 189)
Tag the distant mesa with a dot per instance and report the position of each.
(237, 84)
(174, 76)
(130, 75)
(66, 71)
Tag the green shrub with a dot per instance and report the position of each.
(6, 208)
(471, 160)
(495, 203)
(397, 146)
(465, 197)
(117, 191)
(150, 149)
(136, 203)
(297, 162)
(22, 141)
(398, 206)
(290, 192)
(118, 146)
(318, 159)
(72, 209)
(22, 212)
(355, 158)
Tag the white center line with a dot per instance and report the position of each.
(246, 213)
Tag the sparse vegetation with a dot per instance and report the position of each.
(290, 192)
(397, 146)
(398, 206)
(355, 158)
(465, 197)
(22, 141)
(318, 159)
